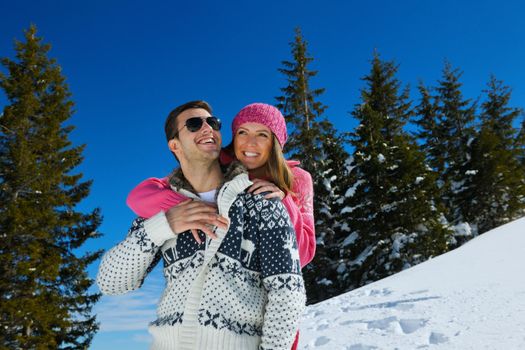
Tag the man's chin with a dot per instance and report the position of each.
(211, 154)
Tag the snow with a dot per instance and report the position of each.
(470, 298)
(457, 186)
(462, 229)
(398, 243)
(362, 257)
(325, 282)
(471, 172)
(347, 210)
(350, 239)
(388, 207)
(351, 190)
(328, 182)
(393, 167)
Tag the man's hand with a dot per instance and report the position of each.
(260, 186)
(195, 215)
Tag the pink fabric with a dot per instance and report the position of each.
(265, 114)
(296, 342)
(300, 206)
(154, 195)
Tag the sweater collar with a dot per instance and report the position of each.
(179, 183)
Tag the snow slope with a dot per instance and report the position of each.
(470, 298)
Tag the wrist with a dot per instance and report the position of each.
(159, 229)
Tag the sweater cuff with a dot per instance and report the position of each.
(288, 200)
(158, 229)
(291, 207)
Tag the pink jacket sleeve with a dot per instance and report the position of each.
(152, 196)
(300, 207)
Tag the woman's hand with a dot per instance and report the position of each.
(260, 186)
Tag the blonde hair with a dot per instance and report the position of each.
(276, 168)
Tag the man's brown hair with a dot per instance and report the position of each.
(170, 126)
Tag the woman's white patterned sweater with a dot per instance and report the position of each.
(241, 291)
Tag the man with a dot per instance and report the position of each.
(239, 289)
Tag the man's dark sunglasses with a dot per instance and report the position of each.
(194, 124)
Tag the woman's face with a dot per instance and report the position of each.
(252, 144)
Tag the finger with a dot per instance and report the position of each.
(208, 204)
(220, 222)
(198, 204)
(182, 204)
(217, 221)
(195, 234)
(267, 189)
(261, 182)
(253, 188)
(183, 219)
(223, 220)
(259, 185)
(274, 195)
(198, 210)
(205, 218)
(207, 231)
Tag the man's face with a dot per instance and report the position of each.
(201, 145)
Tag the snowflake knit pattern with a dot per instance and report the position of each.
(241, 291)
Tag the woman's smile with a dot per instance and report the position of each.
(253, 145)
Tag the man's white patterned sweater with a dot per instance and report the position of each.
(241, 291)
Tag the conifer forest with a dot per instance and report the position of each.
(425, 170)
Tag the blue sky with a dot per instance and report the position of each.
(128, 63)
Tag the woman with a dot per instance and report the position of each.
(259, 134)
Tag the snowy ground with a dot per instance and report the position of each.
(470, 298)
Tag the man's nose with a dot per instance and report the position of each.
(206, 127)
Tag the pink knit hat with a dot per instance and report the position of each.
(265, 114)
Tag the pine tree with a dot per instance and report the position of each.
(389, 207)
(320, 149)
(321, 274)
(496, 185)
(520, 143)
(455, 118)
(44, 298)
(520, 146)
(429, 131)
(300, 108)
